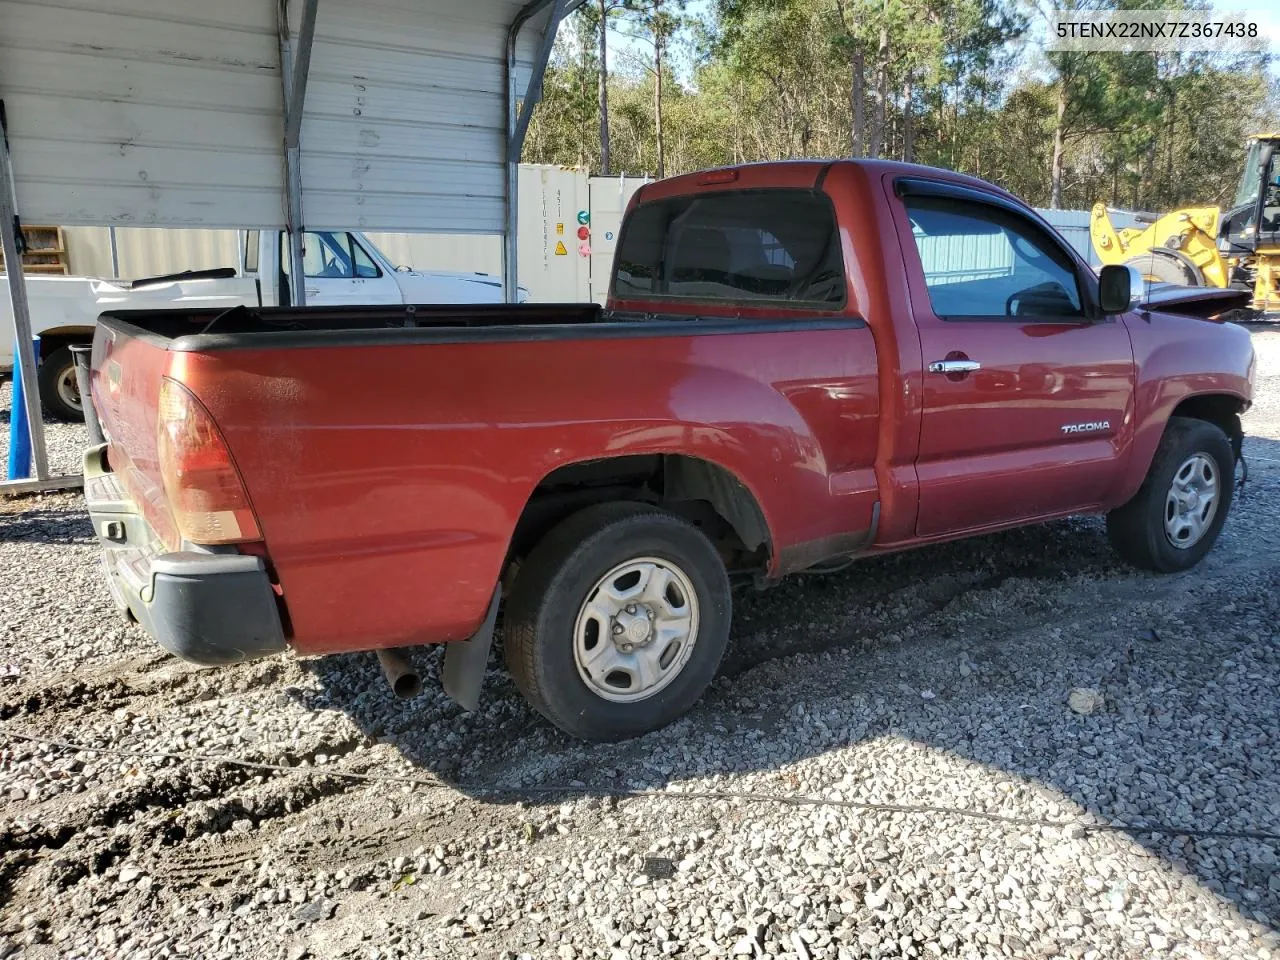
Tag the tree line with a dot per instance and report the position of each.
(960, 84)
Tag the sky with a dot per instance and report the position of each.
(1265, 12)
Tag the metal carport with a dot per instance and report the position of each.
(366, 114)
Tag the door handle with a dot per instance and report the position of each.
(312, 291)
(954, 366)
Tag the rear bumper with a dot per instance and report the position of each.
(203, 606)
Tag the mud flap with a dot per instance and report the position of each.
(465, 660)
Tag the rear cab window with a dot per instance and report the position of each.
(741, 247)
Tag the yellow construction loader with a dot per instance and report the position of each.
(1204, 246)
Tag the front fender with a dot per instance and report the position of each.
(1177, 358)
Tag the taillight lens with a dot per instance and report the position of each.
(201, 482)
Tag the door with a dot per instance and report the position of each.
(339, 271)
(1028, 390)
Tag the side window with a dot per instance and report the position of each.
(1271, 204)
(365, 268)
(251, 240)
(981, 261)
(327, 256)
(766, 245)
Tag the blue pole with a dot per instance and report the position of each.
(19, 437)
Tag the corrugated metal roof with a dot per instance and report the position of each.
(137, 112)
(128, 112)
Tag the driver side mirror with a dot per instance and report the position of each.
(1118, 287)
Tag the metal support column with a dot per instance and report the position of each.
(24, 351)
(519, 113)
(510, 277)
(115, 252)
(295, 65)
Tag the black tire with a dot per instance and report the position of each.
(1137, 529)
(554, 583)
(1167, 266)
(54, 369)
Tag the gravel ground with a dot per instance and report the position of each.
(889, 766)
(64, 442)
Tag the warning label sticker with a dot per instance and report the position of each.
(560, 250)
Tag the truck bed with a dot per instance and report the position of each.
(394, 461)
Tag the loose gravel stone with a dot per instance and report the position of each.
(1084, 701)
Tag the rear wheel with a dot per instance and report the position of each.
(617, 621)
(1177, 514)
(59, 391)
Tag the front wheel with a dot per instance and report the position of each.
(617, 621)
(1177, 514)
(1167, 266)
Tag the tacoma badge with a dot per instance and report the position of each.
(1092, 427)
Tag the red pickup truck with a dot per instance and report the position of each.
(800, 363)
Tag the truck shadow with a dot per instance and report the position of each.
(45, 525)
(966, 653)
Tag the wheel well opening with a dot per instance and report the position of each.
(1222, 410)
(51, 340)
(704, 493)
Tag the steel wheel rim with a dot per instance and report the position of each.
(636, 630)
(68, 388)
(1192, 501)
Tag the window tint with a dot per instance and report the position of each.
(980, 261)
(772, 245)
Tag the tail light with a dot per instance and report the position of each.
(201, 483)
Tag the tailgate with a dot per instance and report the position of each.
(128, 367)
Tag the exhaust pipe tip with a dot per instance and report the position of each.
(405, 681)
(407, 686)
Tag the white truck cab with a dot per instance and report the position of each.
(346, 267)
